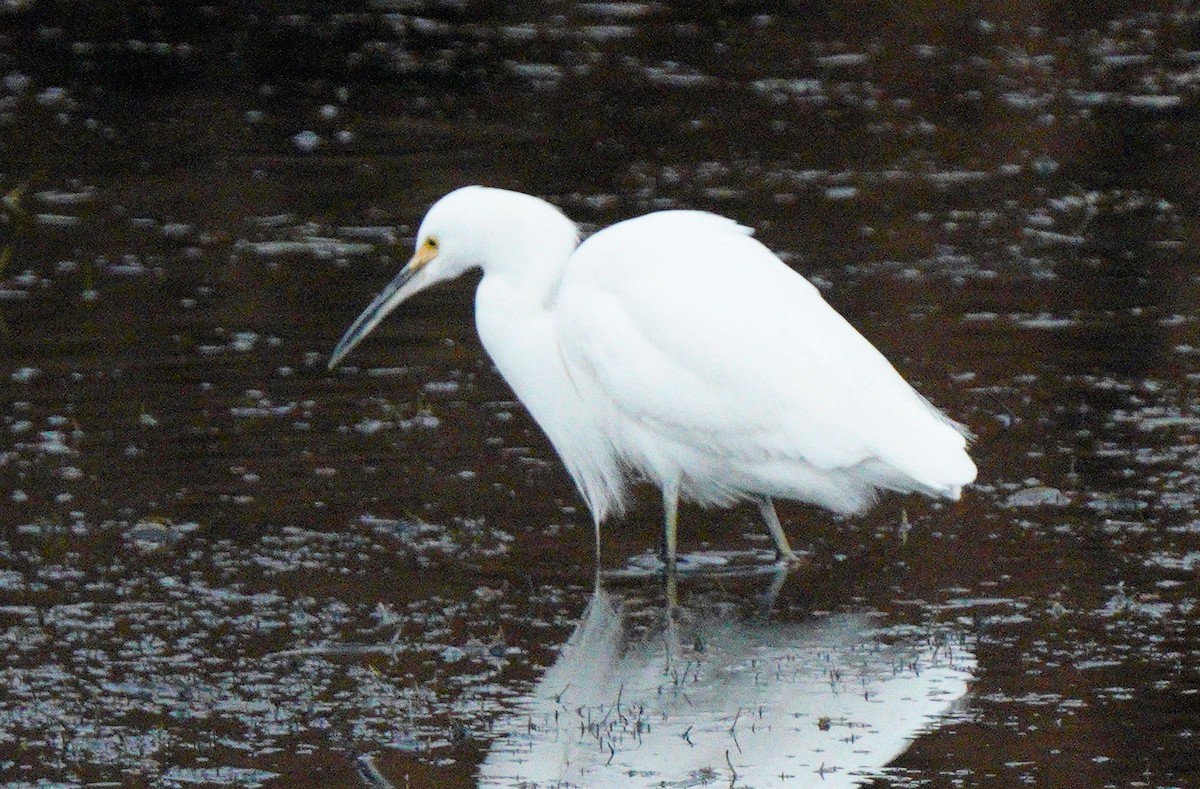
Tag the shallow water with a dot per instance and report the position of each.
(221, 565)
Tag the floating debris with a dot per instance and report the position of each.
(1038, 497)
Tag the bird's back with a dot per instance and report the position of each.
(714, 361)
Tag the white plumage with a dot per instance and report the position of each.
(677, 347)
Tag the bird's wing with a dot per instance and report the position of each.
(682, 322)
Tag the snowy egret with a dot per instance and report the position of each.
(676, 348)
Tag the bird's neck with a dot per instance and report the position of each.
(517, 322)
(526, 279)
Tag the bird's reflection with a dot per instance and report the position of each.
(699, 693)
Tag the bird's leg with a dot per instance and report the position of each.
(670, 495)
(596, 527)
(767, 601)
(783, 551)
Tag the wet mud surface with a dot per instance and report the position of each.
(221, 565)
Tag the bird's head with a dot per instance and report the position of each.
(471, 227)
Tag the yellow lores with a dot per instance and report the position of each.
(427, 252)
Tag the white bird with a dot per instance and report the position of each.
(676, 348)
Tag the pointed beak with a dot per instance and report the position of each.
(404, 285)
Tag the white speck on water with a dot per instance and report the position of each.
(1121, 60)
(1051, 238)
(307, 141)
(57, 220)
(219, 776)
(27, 279)
(1155, 101)
(274, 220)
(424, 419)
(949, 177)
(324, 248)
(1156, 423)
(843, 60)
(800, 87)
(263, 408)
(1044, 321)
(56, 198)
(1044, 166)
(370, 426)
(129, 265)
(441, 387)
(538, 72)
(617, 10)
(671, 74)
(519, 32)
(23, 375)
(1185, 562)
(16, 82)
(243, 341)
(601, 33)
(52, 96)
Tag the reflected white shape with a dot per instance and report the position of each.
(640, 698)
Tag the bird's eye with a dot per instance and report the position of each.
(431, 242)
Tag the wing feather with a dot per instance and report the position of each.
(686, 326)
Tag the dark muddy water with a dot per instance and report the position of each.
(221, 565)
